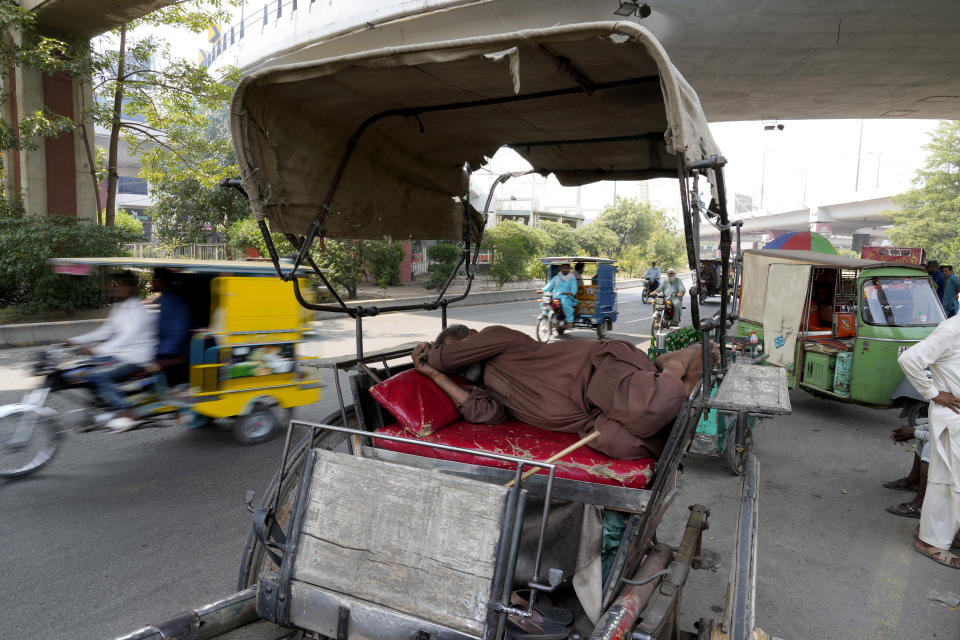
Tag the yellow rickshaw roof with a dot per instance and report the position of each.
(257, 268)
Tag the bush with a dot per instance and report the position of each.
(244, 234)
(515, 249)
(384, 259)
(27, 243)
(128, 226)
(443, 259)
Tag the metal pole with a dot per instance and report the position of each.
(856, 183)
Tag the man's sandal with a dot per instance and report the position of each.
(900, 484)
(905, 509)
(941, 556)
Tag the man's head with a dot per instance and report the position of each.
(653, 264)
(453, 333)
(947, 270)
(671, 273)
(578, 267)
(123, 285)
(565, 268)
(163, 279)
(932, 266)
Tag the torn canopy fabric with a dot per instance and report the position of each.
(376, 143)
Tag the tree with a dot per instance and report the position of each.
(930, 212)
(563, 239)
(343, 263)
(384, 259)
(168, 95)
(443, 258)
(128, 226)
(185, 179)
(597, 240)
(631, 220)
(515, 248)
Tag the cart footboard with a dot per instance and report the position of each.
(232, 618)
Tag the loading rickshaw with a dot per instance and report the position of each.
(242, 369)
(837, 325)
(371, 530)
(595, 301)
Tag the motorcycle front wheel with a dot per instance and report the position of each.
(543, 329)
(28, 440)
(645, 296)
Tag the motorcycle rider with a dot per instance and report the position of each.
(564, 288)
(125, 343)
(653, 276)
(673, 290)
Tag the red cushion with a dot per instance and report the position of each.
(525, 441)
(418, 404)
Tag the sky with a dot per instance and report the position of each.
(807, 163)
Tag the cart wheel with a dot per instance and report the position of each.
(28, 440)
(543, 329)
(261, 424)
(601, 330)
(737, 460)
(916, 412)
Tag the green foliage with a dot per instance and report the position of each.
(443, 259)
(343, 262)
(26, 245)
(515, 250)
(631, 220)
(384, 259)
(597, 240)
(930, 212)
(245, 233)
(563, 239)
(128, 226)
(848, 253)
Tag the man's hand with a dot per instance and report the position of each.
(949, 400)
(85, 351)
(902, 433)
(421, 355)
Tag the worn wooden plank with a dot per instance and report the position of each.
(413, 540)
(753, 387)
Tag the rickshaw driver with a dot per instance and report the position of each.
(173, 327)
(127, 342)
(564, 288)
(608, 386)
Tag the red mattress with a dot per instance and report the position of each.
(524, 441)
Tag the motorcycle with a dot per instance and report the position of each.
(30, 431)
(645, 291)
(664, 314)
(551, 318)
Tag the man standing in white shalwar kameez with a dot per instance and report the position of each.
(940, 516)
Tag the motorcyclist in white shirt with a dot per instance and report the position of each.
(125, 343)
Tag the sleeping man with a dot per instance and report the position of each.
(577, 386)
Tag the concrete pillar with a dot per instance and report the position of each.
(54, 178)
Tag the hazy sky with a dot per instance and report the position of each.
(809, 162)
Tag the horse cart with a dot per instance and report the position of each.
(380, 523)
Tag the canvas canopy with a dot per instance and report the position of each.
(375, 143)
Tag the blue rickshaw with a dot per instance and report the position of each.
(596, 299)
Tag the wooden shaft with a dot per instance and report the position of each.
(576, 445)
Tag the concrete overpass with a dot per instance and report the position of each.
(747, 59)
(847, 223)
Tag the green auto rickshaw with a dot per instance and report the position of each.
(838, 324)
